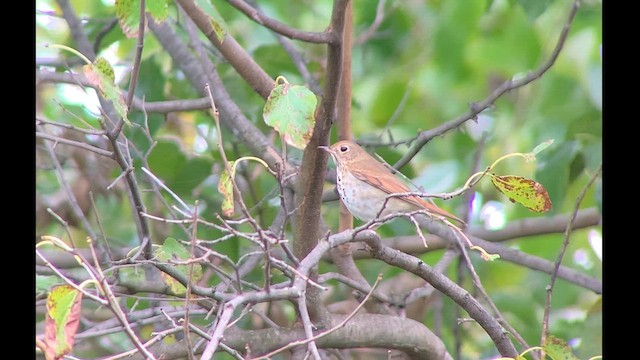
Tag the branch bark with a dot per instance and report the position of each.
(314, 162)
(244, 64)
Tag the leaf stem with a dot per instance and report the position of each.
(71, 50)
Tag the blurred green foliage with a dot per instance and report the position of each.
(439, 56)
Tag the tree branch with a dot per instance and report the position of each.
(314, 160)
(81, 145)
(230, 114)
(162, 107)
(425, 136)
(449, 288)
(244, 64)
(278, 27)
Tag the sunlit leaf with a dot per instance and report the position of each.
(524, 191)
(290, 110)
(173, 250)
(217, 22)
(62, 320)
(128, 12)
(100, 74)
(558, 349)
(225, 187)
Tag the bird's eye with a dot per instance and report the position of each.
(344, 148)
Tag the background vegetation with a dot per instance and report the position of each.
(426, 91)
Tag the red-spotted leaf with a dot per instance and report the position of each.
(62, 320)
(100, 74)
(173, 250)
(290, 110)
(128, 12)
(558, 349)
(225, 187)
(524, 191)
(217, 22)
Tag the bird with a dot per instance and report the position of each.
(364, 183)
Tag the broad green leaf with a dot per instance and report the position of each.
(159, 9)
(524, 191)
(217, 22)
(100, 74)
(533, 8)
(169, 163)
(225, 187)
(553, 167)
(290, 110)
(558, 349)
(128, 12)
(173, 250)
(62, 320)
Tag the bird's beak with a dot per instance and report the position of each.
(325, 148)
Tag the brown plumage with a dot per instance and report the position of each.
(363, 183)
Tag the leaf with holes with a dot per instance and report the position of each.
(558, 349)
(524, 191)
(225, 187)
(173, 250)
(100, 74)
(62, 320)
(217, 22)
(290, 110)
(128, 12)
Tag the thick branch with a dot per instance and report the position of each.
(230, 114)
(370, 331)
(449, 288)
(314, 161)
(244, 64)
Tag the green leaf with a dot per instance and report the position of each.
(217, 22)
(181, 174)
(558, 349)
(553, 168)
(225, 187)
(100, 74)
(159, 9)
(62, 320)
(534, 8)
(128, 12)
(523, 191)
(173, 250)
(290, 110)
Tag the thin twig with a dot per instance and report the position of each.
(138, 57)
(563, 249)
(377, 21)
(71, 127)
(79, 144)
(187, 296)
(278, 27)
(325, 333)
(166, 188)
(425, 136)
(73, 202)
